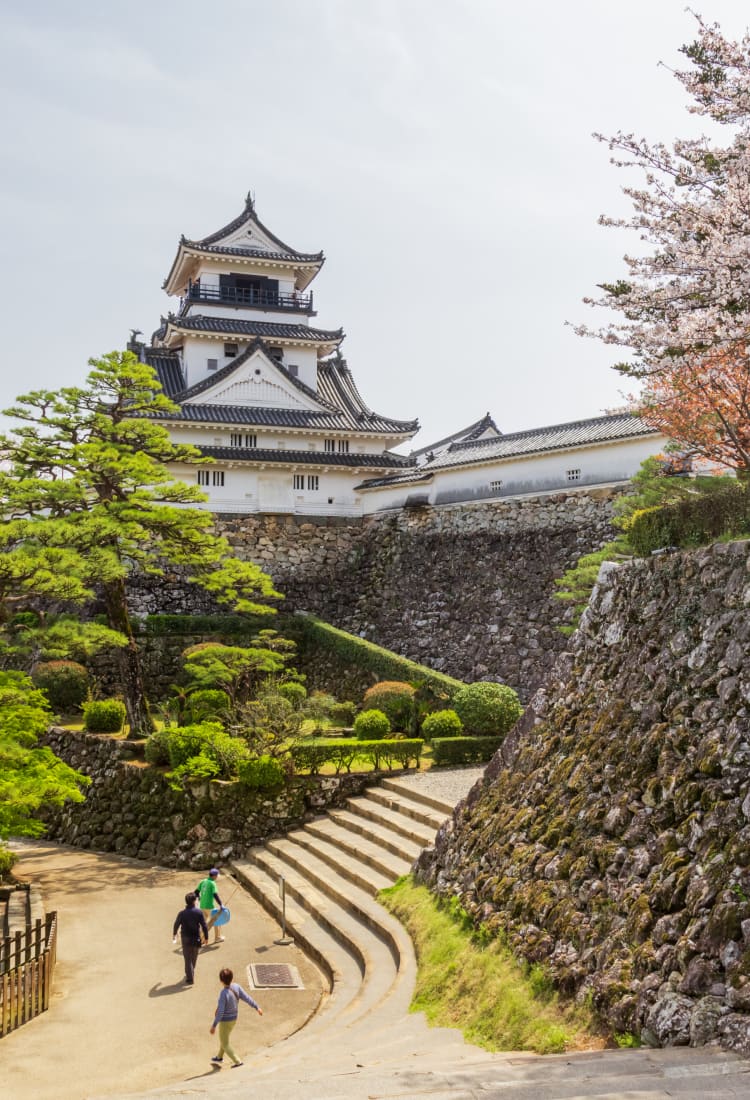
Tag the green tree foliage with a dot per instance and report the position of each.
(86, 500)
(30, 776)
(237, 670)
(487, 708)
(269, 725)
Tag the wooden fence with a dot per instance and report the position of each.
(27, 963)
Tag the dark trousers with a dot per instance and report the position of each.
(190, 951)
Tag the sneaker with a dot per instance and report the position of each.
(219, 939)
(218, 1058)
(235, 1064)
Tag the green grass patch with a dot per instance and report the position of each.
(475, 984)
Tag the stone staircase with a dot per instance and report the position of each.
(363, 1043)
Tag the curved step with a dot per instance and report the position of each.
(378, 833)
(355, 844)
(419, 834)
(401, 803)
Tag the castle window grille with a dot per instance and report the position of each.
(212, 364)
(344, 446)
(230, 351)
(573, 475)
(299, 481)
(313, 482)
(204, 477)
(240, 439)
(495, 486)
(217, 478)
(330, 445)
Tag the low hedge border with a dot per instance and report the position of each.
(203, 624)
(357, 651)
(387, 753)
(464, 750)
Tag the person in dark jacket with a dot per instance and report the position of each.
(191, 923)
(225, 1016)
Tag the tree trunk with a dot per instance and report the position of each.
(134, 692)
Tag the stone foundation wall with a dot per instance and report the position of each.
(465, 589)
(611, 840)
(131, 809)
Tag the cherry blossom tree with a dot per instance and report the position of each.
(684, 304)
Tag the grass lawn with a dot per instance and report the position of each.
(479, 987)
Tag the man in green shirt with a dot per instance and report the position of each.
(208, 899)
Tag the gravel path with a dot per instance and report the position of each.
(449, 784)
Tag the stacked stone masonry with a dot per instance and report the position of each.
(610, 840)
(131, 809)
(465, 589)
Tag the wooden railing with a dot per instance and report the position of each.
(27, 963)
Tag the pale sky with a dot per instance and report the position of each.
(438, 151)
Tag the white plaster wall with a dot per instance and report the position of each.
(249, 490)
(602, 464)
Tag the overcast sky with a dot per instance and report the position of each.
(438, 151)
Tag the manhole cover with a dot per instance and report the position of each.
(275, 976)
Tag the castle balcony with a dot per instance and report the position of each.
(249, 296)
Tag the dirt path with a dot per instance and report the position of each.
(121, 1018)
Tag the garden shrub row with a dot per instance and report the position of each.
(464, 750)
(401, 752)
(699, 519)
(382, 662)
(201, 624)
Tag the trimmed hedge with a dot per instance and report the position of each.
(699, 519)
(464, 750)
(312, 757)
(261, 773)
(363, 654)
(202, 624)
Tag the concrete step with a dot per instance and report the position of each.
(348, 866)
(421, 835)
(378, 834)
(354, 844)
(402, 804)
(416, 795)
(339, 915)
(342, 967)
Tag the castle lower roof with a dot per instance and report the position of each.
(385, 460)
(268, 330)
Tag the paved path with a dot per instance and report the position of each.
(121, 1019)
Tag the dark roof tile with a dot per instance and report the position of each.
(384, 460)
(269, 330)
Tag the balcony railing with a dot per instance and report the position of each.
(247, 296)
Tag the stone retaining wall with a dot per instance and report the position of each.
(466, 589)
(613, 844)
(131, 809)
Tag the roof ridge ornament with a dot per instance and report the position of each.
(250, 202)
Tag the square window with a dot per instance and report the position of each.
(573, 475)
(212, 364)
(230, 351)
(217, 477)
(496, 486)
(344, 446)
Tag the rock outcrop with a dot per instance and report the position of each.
(610, 838)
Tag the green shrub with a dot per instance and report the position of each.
(156, 749)
(343, 714)
(66, 684)
(371, 725)
(207, 739)
(396, 700)
(487, 708)
(200, 624)
(464, 750)
(104, 716)
(194, 770)
(207, 704)
(294, 692)
(442, 723)
(318, 705)
(344, 753)
(721, 510)
(7, 859)
(261, 773)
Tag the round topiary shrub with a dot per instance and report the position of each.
(294, 692)
(487, 708)
(66, 684)
(396, 700)
(442, 723)
(104, 716)
(371, 725)
(207, 703)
